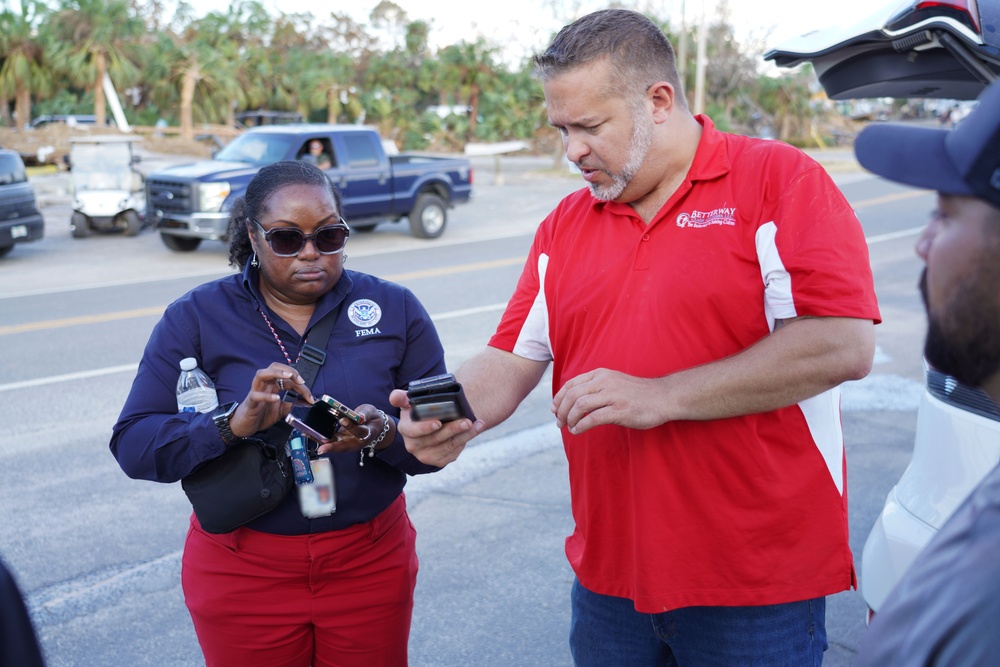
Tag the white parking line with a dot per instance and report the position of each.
(892, 236)
(69, 377)
(131, 368)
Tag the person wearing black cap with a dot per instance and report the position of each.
(946, 608)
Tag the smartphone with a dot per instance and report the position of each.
(341, 410)
(322, 419)
(439, 397)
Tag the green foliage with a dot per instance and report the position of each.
(147, 116)
(189, 70)
(66, 101)
(717, 112)
(512, 108)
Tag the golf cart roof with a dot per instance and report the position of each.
(106, 139)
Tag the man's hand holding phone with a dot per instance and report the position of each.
(437, 420)
(440, 397)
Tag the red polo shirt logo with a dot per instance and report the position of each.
(698, 219)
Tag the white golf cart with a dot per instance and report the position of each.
(107, 188)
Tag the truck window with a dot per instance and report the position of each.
(11, 169)
(260, 149)
(361, 150)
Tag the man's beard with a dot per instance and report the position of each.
(638, 146)
(965, 342)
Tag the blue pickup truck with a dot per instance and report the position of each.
(189, 203)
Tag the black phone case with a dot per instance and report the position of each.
(319, 423)
(439, 398)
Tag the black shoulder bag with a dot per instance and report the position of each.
(253, 476)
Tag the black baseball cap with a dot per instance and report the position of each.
(961, 161)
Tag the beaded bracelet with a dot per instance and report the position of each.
(370, 447)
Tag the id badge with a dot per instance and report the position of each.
(318, 498)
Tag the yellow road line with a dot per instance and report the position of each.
(83, 319)
(888, 199)
(398, 277)
(158, 310)
(459, 268)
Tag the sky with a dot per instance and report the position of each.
(526, 25)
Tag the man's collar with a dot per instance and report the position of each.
(712, 157)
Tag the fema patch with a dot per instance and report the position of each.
(364, 313)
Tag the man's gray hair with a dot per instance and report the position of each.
(638, 51)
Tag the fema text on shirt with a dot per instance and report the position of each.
(365, 313)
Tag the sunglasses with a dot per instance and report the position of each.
(289, 241)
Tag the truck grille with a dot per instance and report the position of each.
(169, 196)
(17, 201)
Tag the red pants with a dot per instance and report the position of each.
(342, 598)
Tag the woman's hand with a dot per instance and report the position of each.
(263, 407)
(351, 437)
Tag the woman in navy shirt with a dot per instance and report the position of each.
(299, 585)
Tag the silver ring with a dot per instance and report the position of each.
(281, 384)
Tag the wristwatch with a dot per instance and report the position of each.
(221, 417)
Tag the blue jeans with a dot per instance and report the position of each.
(607, 631)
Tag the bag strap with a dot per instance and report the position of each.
(313, 356)
(308, 365)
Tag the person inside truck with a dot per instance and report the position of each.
(315, 154)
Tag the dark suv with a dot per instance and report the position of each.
(20, 219)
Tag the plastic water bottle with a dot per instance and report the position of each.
(195, 390)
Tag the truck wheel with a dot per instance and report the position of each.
(180, 243)
(133, 225)
(428, 217)
(80, 225)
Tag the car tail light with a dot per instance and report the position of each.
(965, 12)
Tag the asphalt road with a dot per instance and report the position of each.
(98, 553)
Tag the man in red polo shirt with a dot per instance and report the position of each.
(700, 303)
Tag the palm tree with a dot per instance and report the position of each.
(467, 68)
(97, 38)
(209, 67)
(786, 100)
(22, 50)
(513, 107)
(325, 82)
(392, 96)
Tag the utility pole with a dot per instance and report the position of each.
(699, 72)
(682, 48)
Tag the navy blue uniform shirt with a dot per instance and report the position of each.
(18, 643)
(382, 339)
